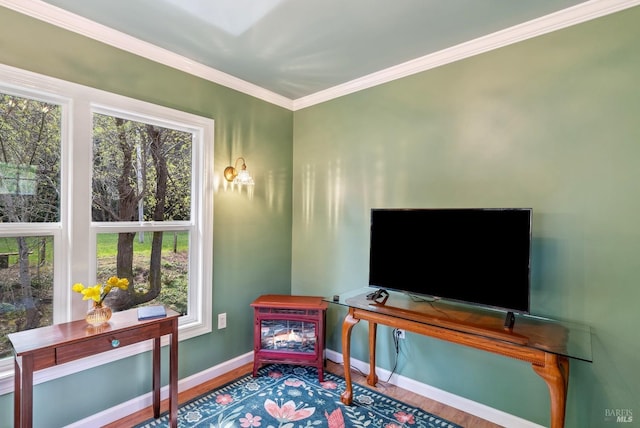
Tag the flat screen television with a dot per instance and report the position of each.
(478, 256)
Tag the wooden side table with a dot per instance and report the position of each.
(546, 344)
(49, 346)
(289, 330)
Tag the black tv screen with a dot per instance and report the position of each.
(478, 256)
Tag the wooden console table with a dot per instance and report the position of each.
(547, 345)
(49, 346)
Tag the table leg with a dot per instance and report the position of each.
(156, 377)
(347, 396)
(257, 341)
(173, 377)
(17, 392)
(320, 345)
(555, 373)
(372, 379)
(24, 395)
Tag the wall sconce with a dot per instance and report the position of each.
(238, 176)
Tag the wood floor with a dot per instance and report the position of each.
(446, 412)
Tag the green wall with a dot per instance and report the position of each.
(551, 123)
(252, 235)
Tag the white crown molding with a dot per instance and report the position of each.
(565, 18)
(77, 24)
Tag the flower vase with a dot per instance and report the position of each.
(98, 314)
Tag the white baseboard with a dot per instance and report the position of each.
(136, 404)
(469, 406)
(480, 410)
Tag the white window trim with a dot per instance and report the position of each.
(78, 103)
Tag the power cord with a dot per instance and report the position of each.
(396, 333)
(360, 372)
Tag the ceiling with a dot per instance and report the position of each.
(297, 49)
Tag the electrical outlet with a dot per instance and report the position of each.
(399, 333)
(222, 321)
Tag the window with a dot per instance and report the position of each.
(141, 189)
(94, 185)
(30, 147)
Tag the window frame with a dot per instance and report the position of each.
(78, 262)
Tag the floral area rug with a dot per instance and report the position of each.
(284, 396)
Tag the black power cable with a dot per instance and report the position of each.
(396, 344)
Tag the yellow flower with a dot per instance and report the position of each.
(98, 292)
(121, 283)
(92, 293)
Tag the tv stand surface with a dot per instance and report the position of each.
(546, 344)
(447, 316)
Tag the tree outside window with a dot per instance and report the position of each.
(29, 193)
(142, 173)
